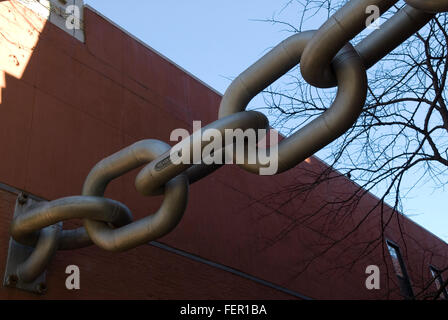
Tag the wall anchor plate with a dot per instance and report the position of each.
(18, 253)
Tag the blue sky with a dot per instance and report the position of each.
(217, 40)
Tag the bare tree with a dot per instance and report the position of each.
(402, 131)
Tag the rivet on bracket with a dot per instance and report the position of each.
(19, 253)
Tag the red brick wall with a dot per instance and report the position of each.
(77, 103)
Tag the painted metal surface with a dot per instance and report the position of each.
(25, 265)
(149, 228)
(429, 5)
(339, 117)
(326, 59)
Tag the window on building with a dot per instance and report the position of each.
(400, 270)
(438, 280)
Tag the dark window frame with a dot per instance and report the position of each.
(404, 281)
(436, 274)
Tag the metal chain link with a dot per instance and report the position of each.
(326, 59)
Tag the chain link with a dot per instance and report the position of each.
(326, 58)
(341, 115)
(433, 6)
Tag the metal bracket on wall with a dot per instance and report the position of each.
(18, 254)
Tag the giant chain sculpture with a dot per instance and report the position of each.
(326, 58)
